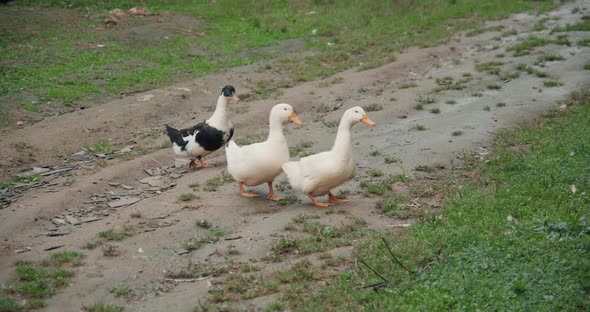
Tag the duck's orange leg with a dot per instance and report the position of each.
(316, 202)
(203, 164)
(271, 193)
(333, 199)
(244, 193)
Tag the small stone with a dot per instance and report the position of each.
(19, 251)
(60, 232)
(125, 201)
(72, 220)
(181, 251)
(89, 219)
(175, 175)
(58, 221)
(155, 181)
(114, 184)
(127, 187)
(126, 149)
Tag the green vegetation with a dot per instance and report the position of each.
(525, 208)
(76, 59)
(584, 25)
(373, 107)
(457, 133)
(587, 66)
(450, 102)
(289, 199)
(584, 42)
(552, 83)
(186, 196)
(435, 110)
(211, 238)
(425, 100)
(212, 184)
(300, 149)
(408, 85)
(203, 223)
(524, 47)
(494, 86)
(481, 30)
(122, 292)
(112, 235)
(489, 67)
(103, 307)
(37, 281)
(500, 104)
(102, 146)
(419, 127)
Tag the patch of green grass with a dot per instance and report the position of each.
(435, 110)
(31, 107)
(540, 25)
(456, 133)
(562, 40)
(511, 32)
(390, 159)
(552, 83)
(584, 25)
(374, 173)
(373, 107)
(122, 292)
(211, 238)
(500, 104)
(489, 67)
(250, 139)
(72, 258)
(419, 127)
(425, 100)
(487, 108)
(59, 61)
(186, 196)
(450, 102)
(547, 57)
(407, 85)
(166, 144)
(203, 223)
(289, 199)
(92, 244)
(519, 213)
(584, 42)
(102, 146)
(103, 307)
(494, 86)
(37, 281)
(212, 184)
(509, 76)
(481, 30)
(419, 107)
(9, 304)
(524, 47)
(112, 235)
(374, 188)
(321, 237)
(300, 148)
(300, 271)
(587, 66)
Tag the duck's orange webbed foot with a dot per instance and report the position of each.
(203, 164)
(244, 193)
(317, 203)
(334, 200)
(271, 193)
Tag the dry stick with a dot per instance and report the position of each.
(393, 256)
(375, 272)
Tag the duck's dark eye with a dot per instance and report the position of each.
(285, 108)
(356, 111)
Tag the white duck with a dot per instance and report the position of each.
(205, 137)
(261, 162)
(318, 174)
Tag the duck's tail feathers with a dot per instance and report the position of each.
(175, 136)
(293, 171)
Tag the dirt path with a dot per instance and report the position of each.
(159, 223)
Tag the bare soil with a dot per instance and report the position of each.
(161, 223)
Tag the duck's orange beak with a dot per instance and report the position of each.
(294, 119)
(235, 98)
(368, 121)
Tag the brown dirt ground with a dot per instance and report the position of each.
(147, 255)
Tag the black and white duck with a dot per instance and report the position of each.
(205, 137)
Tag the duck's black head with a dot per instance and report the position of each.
(228, 91)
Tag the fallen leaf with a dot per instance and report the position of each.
(573, 188)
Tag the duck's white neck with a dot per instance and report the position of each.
(343, 142)
(276, 129)
(218, 119)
